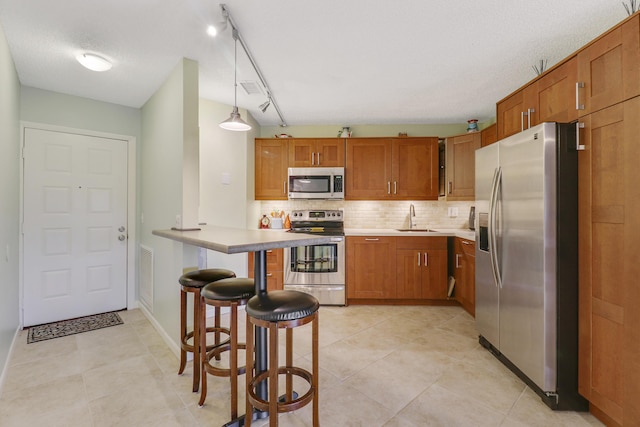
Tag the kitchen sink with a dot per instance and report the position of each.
(423, 230)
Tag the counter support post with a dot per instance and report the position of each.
(260, 277)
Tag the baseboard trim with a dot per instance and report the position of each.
(9, 356)
(173, 346)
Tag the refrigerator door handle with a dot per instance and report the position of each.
(493, 253)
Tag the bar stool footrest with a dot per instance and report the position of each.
(284, 405)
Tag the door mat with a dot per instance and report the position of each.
(73, 326)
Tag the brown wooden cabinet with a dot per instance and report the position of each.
(464, 272)
(313, 152)
(512, 112)
(275, 268)
(609, 229)
(461, 166)
(396, 269)
(421, 268)
(551, 97)
(271, 158)
(371, 267)
(392, 169)
(609, 68)
(489, 135)
(555, 94)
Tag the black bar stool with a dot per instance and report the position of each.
(281, 310)
(231, 293)
(193, 282)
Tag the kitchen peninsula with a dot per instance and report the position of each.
(237, 240)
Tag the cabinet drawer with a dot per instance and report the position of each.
(422, 242)
(468, 247)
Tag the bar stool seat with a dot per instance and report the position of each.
(232, 293)
(193, 282)
(281, 310)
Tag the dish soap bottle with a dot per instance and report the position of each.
(287, 222)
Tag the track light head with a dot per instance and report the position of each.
(263, 107)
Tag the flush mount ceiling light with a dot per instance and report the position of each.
(238, 37)
(93, 62)
(235, 122)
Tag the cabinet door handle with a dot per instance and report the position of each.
(522, 114)
(457, 260)
(449, 186)
(284, 187)
(313, 157)
(464, 242)
(318, 159)
(426, 259)
(395, 187)
(579, 85)
(269, 274)
(388, 187)
(579, 147)
(530, 111)
(368, 239)
(270, 251)
(418, 259)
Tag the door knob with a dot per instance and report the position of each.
(121, 229)
(121, 237)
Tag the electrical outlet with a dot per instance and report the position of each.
(178, 221)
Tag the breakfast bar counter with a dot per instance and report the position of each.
(230, 240)
(237, 240)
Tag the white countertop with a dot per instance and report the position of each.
(457, 232)
(237, 240)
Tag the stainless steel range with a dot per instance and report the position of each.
(318, 270)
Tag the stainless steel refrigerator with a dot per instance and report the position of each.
(527, 258)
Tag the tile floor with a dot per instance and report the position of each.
(379, 366)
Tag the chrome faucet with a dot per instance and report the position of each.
(412, 214)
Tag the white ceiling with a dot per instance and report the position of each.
(326, 62)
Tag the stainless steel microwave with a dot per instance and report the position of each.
(316, 183)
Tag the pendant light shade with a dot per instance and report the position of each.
(235, 122)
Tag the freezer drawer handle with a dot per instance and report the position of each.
(578, 146)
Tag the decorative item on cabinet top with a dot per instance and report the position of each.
(345, 132)
(283, 135)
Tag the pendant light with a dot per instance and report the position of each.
(235, 122)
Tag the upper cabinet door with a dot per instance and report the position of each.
(489, 135)
(326, 152)
(461, 166)
(415, 169)
(556, 94)
(271, 169)
(514, 113)
(368, 170)
(609, 68)
(330, 152)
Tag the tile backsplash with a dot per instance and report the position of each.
(382, 214)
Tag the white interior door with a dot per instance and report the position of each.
(75, 225)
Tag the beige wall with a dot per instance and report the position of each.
(169, 149)
(326, 131)
(9, 200)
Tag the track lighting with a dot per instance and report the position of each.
(238, 37)
(263, 107)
